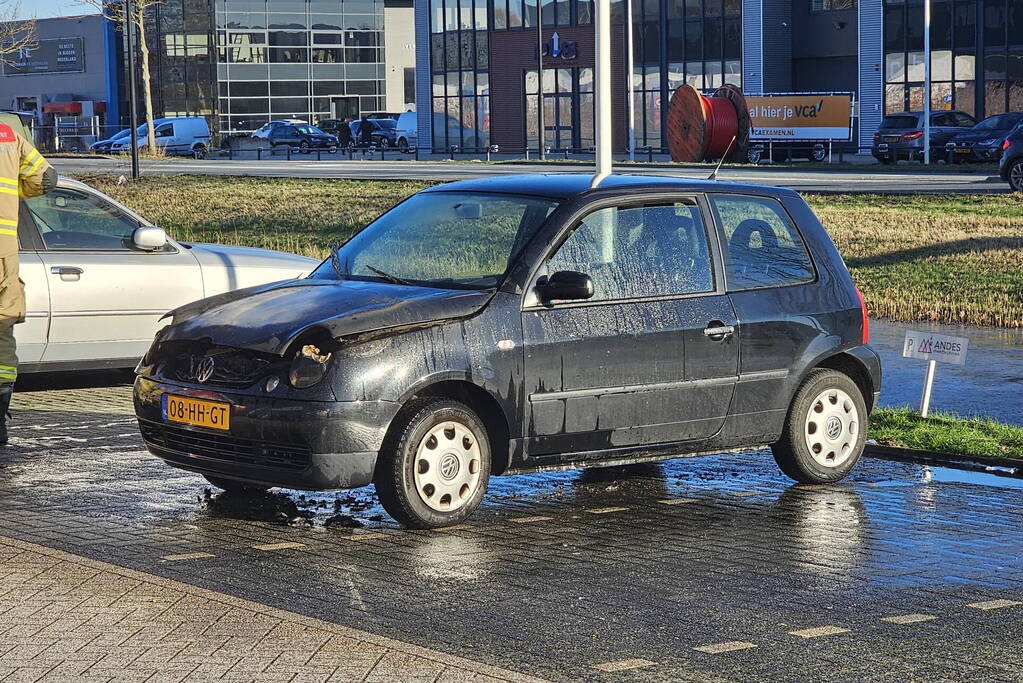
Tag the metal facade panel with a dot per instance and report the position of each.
(871, 81)
(752, 46)
(424, 95)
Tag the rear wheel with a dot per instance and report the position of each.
(403, 145)
(435, 465)
(825, 430)
(233, 485)
(304, 147)
(1016, 175)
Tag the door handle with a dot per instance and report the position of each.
(66, 270)
(717, 330)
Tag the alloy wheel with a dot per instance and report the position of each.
(832, 428)
(447, 466)
(1016, 176)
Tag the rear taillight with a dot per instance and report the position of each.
(915, 135)
(866, 318)
(1006, 144)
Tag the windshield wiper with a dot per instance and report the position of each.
(387, 276)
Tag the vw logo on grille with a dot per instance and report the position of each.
(205, 369)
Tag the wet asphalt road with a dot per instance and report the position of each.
(559, 573)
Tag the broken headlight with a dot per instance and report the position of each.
(309, 366)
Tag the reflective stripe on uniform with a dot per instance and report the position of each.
(8, 372)
(32, 163)
(8, 230)
(12, 182)
(8, 190)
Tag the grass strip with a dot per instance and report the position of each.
(946, 433)
(941, 258)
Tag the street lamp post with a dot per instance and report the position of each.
(927, 82)
(630, 94)
(540, 124)
(602, 90)
(129, 40)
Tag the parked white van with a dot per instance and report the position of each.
(407, 132)
(187, 135)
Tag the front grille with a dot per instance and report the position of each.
(218, 366)
(224, 447)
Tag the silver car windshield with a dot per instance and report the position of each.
(441, 239)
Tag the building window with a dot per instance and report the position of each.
(831, 5)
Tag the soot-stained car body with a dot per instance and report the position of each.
(525, 323)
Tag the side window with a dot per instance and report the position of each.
(964, 120)
(640, 252)
(72, 220)
(164, 131)
(762, 246)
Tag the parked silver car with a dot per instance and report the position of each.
(98, 278)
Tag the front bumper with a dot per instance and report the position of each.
(312, 445)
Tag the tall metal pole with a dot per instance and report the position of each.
(129, 35)
(540, 123)
(602, 90)
(927, 82)
(630, 68)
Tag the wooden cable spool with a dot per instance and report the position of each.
(708, 128)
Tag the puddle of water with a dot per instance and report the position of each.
(947, 475)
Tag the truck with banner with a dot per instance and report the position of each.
(798, 125)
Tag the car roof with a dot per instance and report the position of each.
(569, 185)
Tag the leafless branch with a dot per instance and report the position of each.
(16, 34)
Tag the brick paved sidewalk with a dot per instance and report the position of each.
(66, 617)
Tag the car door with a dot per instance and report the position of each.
(770, 276)
(31, 334)
(651, 357)
(106, 296)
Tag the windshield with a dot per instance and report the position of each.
(899, 122)
(441, 239)
(309, 130)
(1000, 122)
(386, 123)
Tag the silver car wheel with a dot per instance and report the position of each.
(1016, 176)
(832, 428)
(447, 466)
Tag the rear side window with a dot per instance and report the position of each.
(762, 247)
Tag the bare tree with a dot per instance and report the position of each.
(16, 34)
(116, 12)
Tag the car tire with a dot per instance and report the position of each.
(403, 145)
(825, 430)
(200, 152)
(818, 154)
(1015, 175)
(754, 155)
(435, 465)
(233, 485)
(304, 147)
(332, 149)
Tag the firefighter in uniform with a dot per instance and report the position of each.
(24, 174)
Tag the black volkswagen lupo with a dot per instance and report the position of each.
(525, 323)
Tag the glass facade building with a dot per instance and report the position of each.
(976, 60)
(478, 73)
(244, 62)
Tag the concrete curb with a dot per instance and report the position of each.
(1002, 467)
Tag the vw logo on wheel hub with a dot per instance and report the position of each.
(833, 428)
(205, 369)
(449, 467)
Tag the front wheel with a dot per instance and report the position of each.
(435, 465)
(825, 430)
(200, 152)
(403, 145)
(1016, 175)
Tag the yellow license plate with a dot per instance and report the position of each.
(197, 412)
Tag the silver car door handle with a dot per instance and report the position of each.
(722, 331)
(66, 270)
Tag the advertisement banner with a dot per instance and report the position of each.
(800, 117)
(47, 56)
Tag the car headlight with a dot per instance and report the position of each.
(308, 367)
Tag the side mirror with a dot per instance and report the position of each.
(565, 285)
(148, 238)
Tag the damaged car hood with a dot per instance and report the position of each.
(268, 318)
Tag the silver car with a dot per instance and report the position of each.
(98, 278)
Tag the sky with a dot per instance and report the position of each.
(41, 9)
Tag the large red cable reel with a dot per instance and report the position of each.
(708, 128)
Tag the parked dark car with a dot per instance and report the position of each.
(522, 323)
(1011, 165)
(339, 128)
(384, 132)
(901, 136)
(302, 137)
(984, 141)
